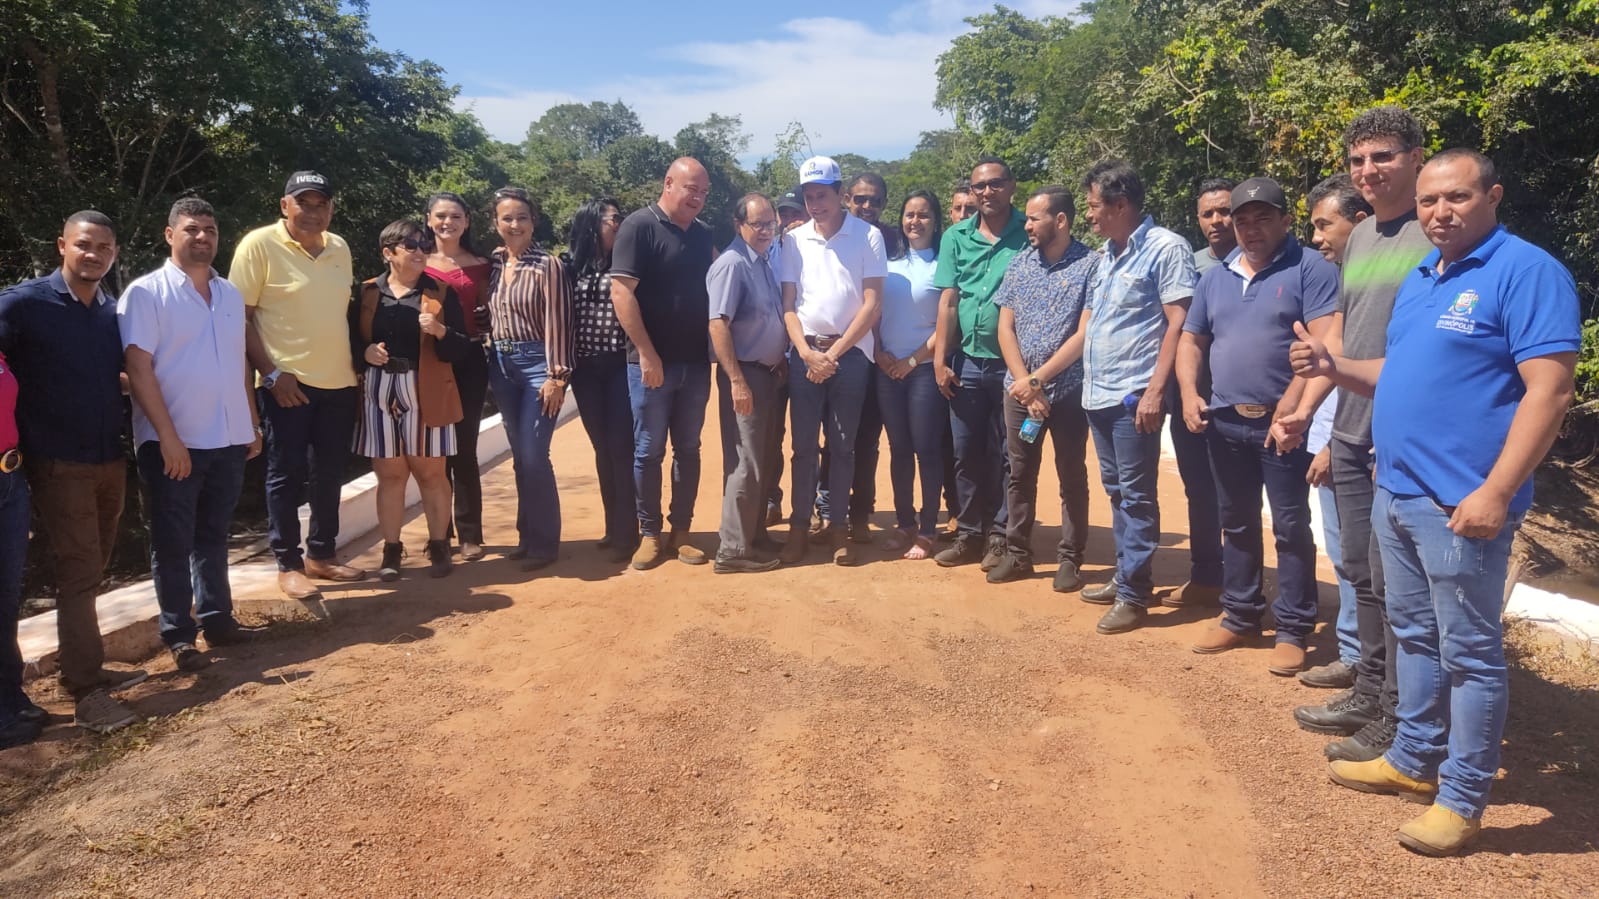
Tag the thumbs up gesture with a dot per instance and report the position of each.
(1308, 355)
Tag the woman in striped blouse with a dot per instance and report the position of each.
(600, 379)
(530, 364)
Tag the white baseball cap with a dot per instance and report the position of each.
(820, 170)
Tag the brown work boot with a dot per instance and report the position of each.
(1377, 776)
(843, 552)
(1192, 594)
(649, 550)
(295, 585)
(331, 570)
(1438, 831)
(1217, 639)
(794, 549)
(1286, 659)
(687, 553)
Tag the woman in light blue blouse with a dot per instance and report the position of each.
(914, 412)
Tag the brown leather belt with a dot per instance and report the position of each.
(822, 342)
(1252, 411)
(10, 460)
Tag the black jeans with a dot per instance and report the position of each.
(307, 447)
(1353, 490)
(188, 523)
(1067, 426)
(466, 479)
(599, 383)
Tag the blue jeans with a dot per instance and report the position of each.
(600, 385)
(13, 552)
(977, 419)
(1445, 595)
(1347, 627)
(1129, 466)
(188, 522)
(675, 410)
(1204, 509)
(516, 376)
(307, 447)
(1243, 465)
(915, 415)
(835, 403)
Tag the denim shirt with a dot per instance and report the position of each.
(1128, 320)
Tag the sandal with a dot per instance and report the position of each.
(921, 549)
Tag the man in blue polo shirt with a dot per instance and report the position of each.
(1244, 314)
(1474, 385)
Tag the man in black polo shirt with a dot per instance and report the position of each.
(60, 334)
(658, 287)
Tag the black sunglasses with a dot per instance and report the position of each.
(415, 242)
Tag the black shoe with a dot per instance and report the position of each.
(994, 553)
(535, 563)
(964, 551)
(390, 569)
(29, 711)
(764, 543)
(232, 634)
(19, 731)
(439, 563)
(1011, 567)
(1368, 743)
(1067, 578)
(187, 657)
(1102, 595)
(1344, 715)
(1122, 617)
(1334, 675)
(743, 565)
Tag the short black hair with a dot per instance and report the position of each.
(741, 209)
(1060, 200)
(90, 217)
(1487, 172)
(990, 159)
(517, 194)
(395, 233)
(190, 207)
(1385, 121)
(1116, 180)
(873, 179)
(963, 186)
(1212, 185)
(1350, 201)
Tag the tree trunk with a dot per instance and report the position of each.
(50, 97)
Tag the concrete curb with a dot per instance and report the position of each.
(128, 615)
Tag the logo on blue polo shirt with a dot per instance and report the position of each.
(1457, 317)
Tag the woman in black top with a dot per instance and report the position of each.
(599, 379)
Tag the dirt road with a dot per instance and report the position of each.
(895, 730)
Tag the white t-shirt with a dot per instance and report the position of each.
(827, 275)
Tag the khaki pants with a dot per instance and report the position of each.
(79, 505)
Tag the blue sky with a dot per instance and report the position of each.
(859, 75)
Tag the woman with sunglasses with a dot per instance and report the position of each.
(408, 332)
(915, 413)
(599, 376)
(457, 264)
(530, 364)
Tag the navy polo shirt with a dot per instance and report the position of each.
(68, 362)
(1449, 386)
(1250, 321)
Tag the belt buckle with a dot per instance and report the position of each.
(10, 461)
(1251, 410)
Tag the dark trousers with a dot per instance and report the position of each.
(13, 553)
(1243, 465)
(749, 441)
(834, 406)
(188, 523)
(868, 443)
(977, 418)
(307, 447)
(600, 384)
(1067, 426)
(916, 416)
(1351, 470)
(466, 478)
(79, 507)
(774, 497)
(1204, 511)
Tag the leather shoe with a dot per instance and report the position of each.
(743, 566)
(1377, 776)
(330, 570)
(648, 552)
(1011, 567)
(233, 634)
(1067, 578)
(1122, 617)
(1217, 639)
(964, 551)
(1192, 594)
(1102, 595)
(1286, 659)
(1438, 832)
(295, 585)
(1370, 742)
(1344, 715)
(993, 553)
(843, 553)
(1334, 675)
(794, 549)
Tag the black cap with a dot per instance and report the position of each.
(1259, 190)
(300, 182)
(791, 200)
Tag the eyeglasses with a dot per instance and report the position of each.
(614, 218)
(413, 243)
(982, 187)
(1376, 157)
(762, 227)
(867, 200)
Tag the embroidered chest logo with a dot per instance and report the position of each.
(1458, 317)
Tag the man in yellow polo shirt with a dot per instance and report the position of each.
(296, 279)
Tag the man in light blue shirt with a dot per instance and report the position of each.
(194, 427)
(1134, 316)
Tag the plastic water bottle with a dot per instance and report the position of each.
(1031, 428)
(1130, 401)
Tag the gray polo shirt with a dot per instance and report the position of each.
(1377, 259)
(743, 289)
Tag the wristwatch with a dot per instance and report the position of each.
(914, 361)
(1032, 381)
(270, 379)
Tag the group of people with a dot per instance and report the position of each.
(965, 343)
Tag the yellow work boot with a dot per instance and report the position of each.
(1377, 776)
(648, 552)
(1438, 831)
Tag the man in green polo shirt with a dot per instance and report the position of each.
(967, 363)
